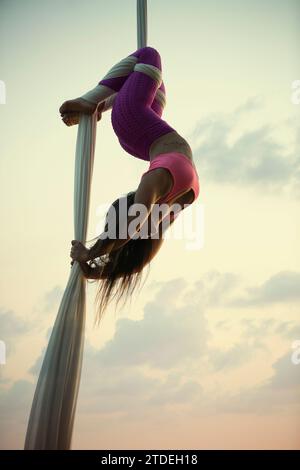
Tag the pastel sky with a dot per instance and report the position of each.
(202, 357)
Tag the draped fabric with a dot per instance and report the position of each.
(53, 408)
(54, 404)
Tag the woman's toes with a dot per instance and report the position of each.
(67, 120)
(63, 108)
(70, 119)
(79, 105)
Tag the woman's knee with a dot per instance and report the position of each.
(150, 49)
(150, 55)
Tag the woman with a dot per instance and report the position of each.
(170, 179)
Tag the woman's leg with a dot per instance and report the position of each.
(134, 120)
(114, 80)
(144, 56)
(119, 74)
(106, 90)
(157, 105)
(159, 101)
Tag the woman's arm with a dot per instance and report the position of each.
(144, 195)
(91, 273)
(99, 273)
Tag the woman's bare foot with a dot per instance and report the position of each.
(70, 110)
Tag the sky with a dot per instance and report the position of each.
(205, 356)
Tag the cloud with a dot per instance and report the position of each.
(287, 374)
(288, 329)
(231, 358)
(143, 366)
(212, 290)
(15, 397)
(253, 336)
(11, 325)
(15, 404)
(35, 369)
(172, 392)
(12, 328)
(52, 298)
(160, 365)
(134, 392)
(278, 393)
(169, 333)
(254, 158)
(282, 287)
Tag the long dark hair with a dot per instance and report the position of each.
(122, 268)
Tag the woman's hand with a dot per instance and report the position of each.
(79, 252)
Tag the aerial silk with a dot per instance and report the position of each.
(52, 414)
(53, 409)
